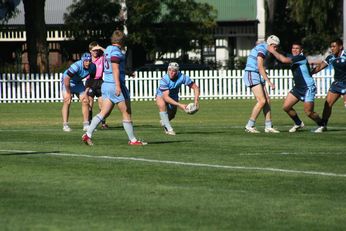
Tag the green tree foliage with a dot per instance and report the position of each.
(313, 22)
(169, 25)
(92, 19)
(319, 20)
(154, 26)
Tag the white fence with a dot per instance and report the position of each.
(215, 84)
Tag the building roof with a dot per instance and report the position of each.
(234, 10)
(54, 12)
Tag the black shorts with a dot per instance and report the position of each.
(95, 89)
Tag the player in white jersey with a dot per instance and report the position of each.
(114, 91)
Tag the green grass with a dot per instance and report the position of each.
(50, 180)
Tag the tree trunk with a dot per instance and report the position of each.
(36, 35)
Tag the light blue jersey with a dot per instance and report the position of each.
(113, 54)
(301, 72)
(173, 85)
(251, 62)
(77, 73)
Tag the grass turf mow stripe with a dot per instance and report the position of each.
(186, 163)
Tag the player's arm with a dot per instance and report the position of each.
(319, 67)
(196, 93)
(262, 71)
(116, 76)
(98, 47)
(169, 100)
(279, 56)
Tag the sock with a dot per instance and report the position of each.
(268, 124)
(65, 124)
(85, 123)
(90, 116)
(129, 130)
(251, 123)
(296, 120)
(165, 120)
(94, 122)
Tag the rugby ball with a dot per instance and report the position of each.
(191, 108)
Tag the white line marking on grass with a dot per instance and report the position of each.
(184, 163)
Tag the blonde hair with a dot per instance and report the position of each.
(118, 37)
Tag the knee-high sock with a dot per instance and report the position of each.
(94, 122)
(129, 130)
(165, 120)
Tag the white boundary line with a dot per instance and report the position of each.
(184, 163)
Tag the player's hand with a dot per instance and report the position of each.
(182, 106)
(272, 86)
(117, 91)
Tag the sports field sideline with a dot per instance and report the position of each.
(211, 176)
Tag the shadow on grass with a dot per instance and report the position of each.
(169, 142)
(203, 132)
(18, 153)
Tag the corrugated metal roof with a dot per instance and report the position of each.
(234, 10)
(54, 12)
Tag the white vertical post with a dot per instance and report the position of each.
(261, 18)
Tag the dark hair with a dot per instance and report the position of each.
(338, 41)
(297, 43)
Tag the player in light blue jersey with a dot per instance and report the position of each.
(72, 83)
(255, 77)
(167, 95)
(304, 86)
(114, 91)
(338, 60)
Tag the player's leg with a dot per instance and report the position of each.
(268, 124)
(125, 110)
(91, 105)
(99, 101)
(328, 105)
(287, 106)
(83, 97)
(259, 94)
(65, 111)
(309, 111)
(161, 104)
(107, 107)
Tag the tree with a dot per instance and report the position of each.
(320, 21)
(36, 32)
(36, 35)
(92, 19)
(154, 26)
(167, 26)
(313, 22)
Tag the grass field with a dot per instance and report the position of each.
(211, 176)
